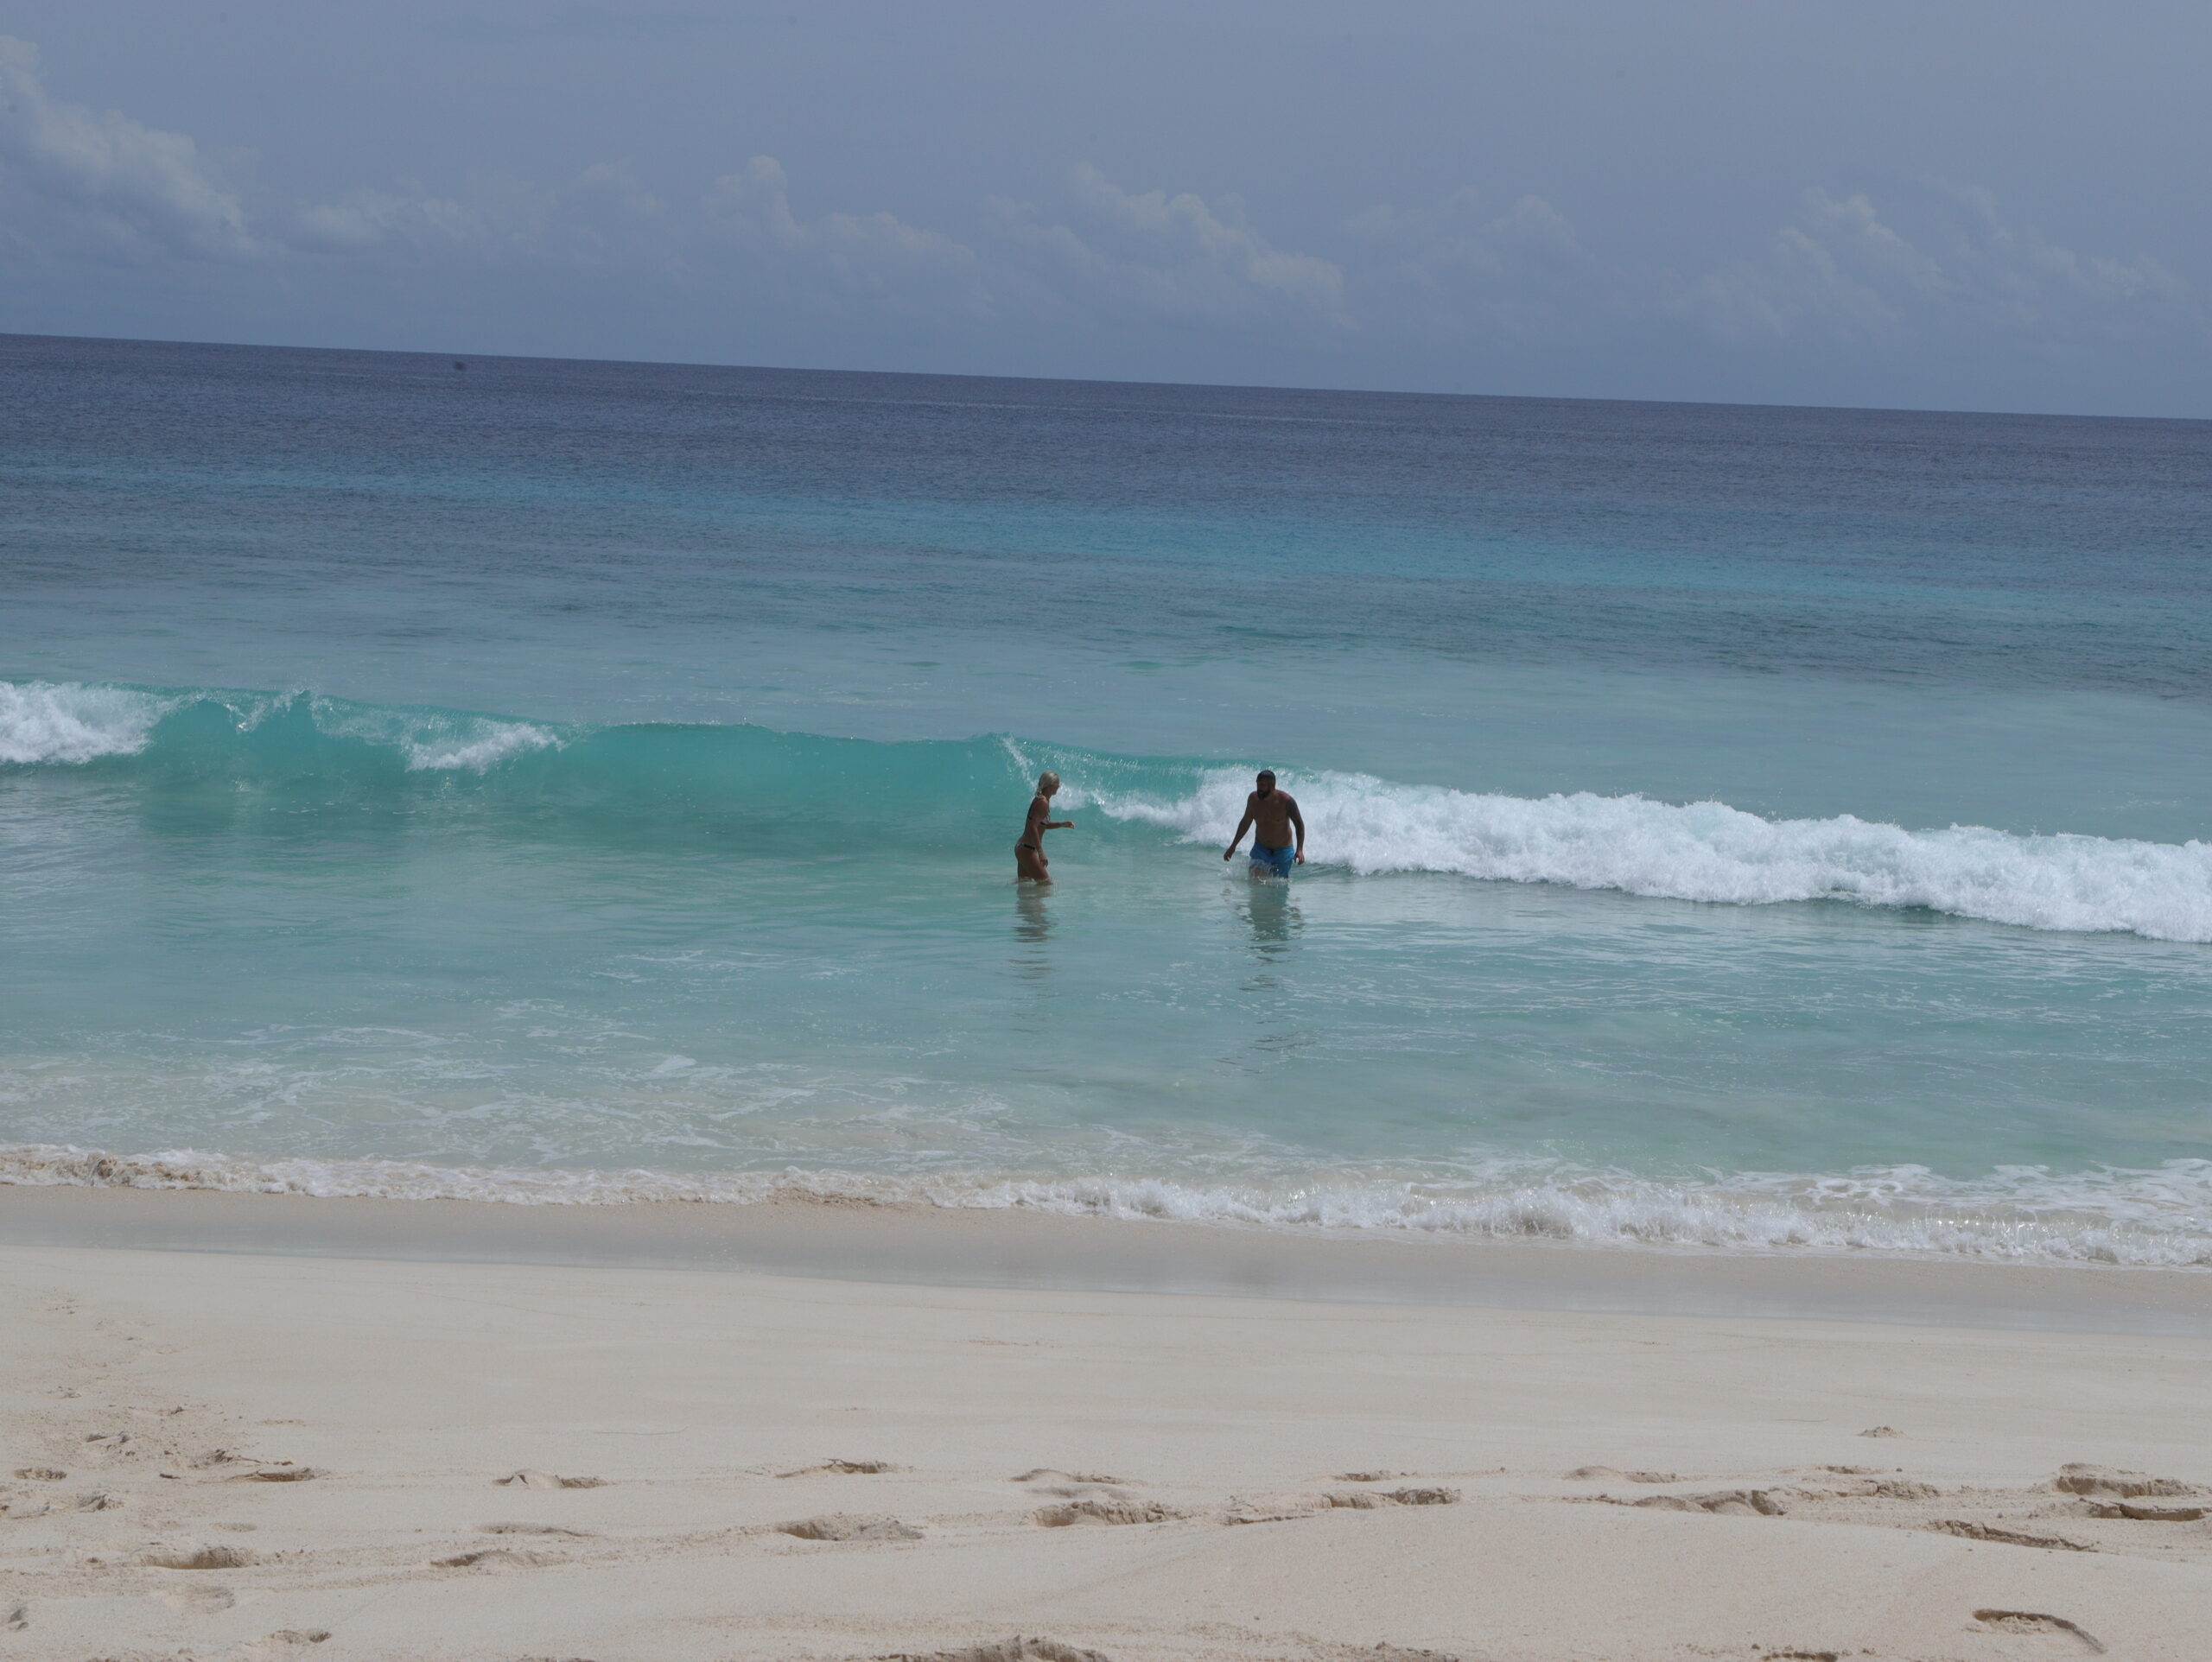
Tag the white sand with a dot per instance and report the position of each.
(165, 1381)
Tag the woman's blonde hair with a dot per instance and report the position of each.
(1048, 781)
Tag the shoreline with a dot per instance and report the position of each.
(1012, 1248)
(2138, 1219)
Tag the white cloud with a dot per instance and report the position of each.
(1841, 271)
(77, 180)
(879, 256)
(1173, 258)
(603, 217)
(1460, 270)
(371, 219)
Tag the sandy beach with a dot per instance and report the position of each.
(231, 1454)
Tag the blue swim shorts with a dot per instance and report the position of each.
(1274, 859)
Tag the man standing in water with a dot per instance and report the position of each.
(1270, 815)
(1030, 865)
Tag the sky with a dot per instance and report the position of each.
(1928, 204)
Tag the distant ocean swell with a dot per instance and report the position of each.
(356, 755)
(2156, 1219)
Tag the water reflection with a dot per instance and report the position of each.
(1272, 915)
(1033, 932)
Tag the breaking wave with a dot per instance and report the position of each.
(954, 794)
(1710, 852)
(71, 724)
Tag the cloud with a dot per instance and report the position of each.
(1841, 271)
(1470, 289)
(79, 180)
(1175, 257)
(603, 217)
(1460, 269)
(874, 256)
(1933, 272)
(372, 219)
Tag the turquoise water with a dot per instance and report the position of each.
(1749, 828)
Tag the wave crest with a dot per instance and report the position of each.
(1712, 851)
(960, 794)
(74, 722)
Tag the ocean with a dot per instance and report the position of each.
(1729, 828)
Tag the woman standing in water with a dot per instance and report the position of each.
(1029, 862)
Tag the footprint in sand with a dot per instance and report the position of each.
(1283, 1509)
(284, 1472)
(1902, 1488)
(1104, 1511)
(1614, 1475)
(499, 1558)
(1367, 1499)
(534, 1529)
(285, 1642)
(536, 1480)
(2143, 1514)
(1881, 1430)
(1743, 1503)
(839, 1527)
(41, 1474)
(2104, 1483)
(17, 1619)
(198, 1600)
(1054, 1475)
(1973, 1531)
(844, 1468)
(199, 1558)
(1020, 1648)
(2034, 1622)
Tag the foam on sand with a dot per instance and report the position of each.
(2160, 1218)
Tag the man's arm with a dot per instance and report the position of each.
(1298, 820)
(1243, 826)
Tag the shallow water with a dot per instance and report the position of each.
(1744, 827)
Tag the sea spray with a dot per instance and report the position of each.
(68, 723)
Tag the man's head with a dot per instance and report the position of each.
(1047, 783)
(1266, 781)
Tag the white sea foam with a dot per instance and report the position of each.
(1710, 852)
(436, 740)
(2157, 1218)
(69, 722)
